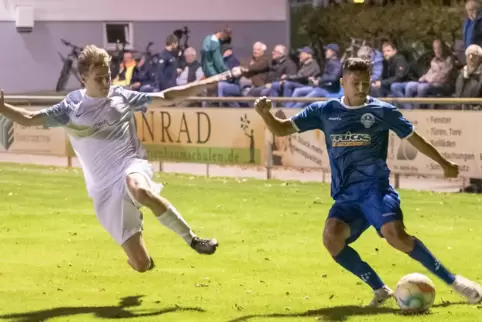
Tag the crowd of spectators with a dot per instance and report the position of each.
(276, 74)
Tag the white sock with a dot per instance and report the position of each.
(173, 220)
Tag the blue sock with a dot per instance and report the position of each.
(351, 261)
(425, 257)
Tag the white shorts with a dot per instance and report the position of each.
(117, 210)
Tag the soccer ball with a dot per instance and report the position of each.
(415, 293)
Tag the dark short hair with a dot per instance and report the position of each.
(357, 64)
(171, 39)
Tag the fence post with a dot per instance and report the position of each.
(161, 166)
(69, 161)
(397, 181)
(268, 154)
(207, 170)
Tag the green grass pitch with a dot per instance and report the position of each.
(58, 264)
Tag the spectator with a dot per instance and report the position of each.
(395, 73)
(192, 71)
(436, 79)
(309, 68)
(143, 78)
(472, 28)
(211, 57)
(126, 70)
(326, 85)
(279, 65)
(166, 73)
(230, 60)
(257, 78)
(469, 81)
(367, 52)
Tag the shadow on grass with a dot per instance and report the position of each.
(337, 313)
(104, 312)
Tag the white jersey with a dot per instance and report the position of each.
(102, 132)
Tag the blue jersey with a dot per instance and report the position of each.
(356, 139)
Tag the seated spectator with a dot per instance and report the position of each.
(143, 78)
(258, 63)
(469, 84)
(309, 68)
(469, 81)
(166, 73)
(126, 70)
(395, 73)
(230, 60)
(436, 79)
(279, 65)
(192, 71)
(367, 52)
(327, 84)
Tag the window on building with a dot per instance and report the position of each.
(118, 33)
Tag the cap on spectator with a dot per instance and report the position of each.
(333, 47)
(306, 50)
(225, 47)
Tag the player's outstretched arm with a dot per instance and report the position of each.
(451, 170)
(19, 115)
(179, 93)
(278, 127)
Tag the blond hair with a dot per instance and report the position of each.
(90, 57)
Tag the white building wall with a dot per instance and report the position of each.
(150, 10)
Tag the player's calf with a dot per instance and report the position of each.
(137, 254)
(396, 236)
(140, 189)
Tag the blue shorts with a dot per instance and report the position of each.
(375, 208)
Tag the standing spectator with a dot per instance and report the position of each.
(192, 71)
(395, 73)
(367, 52)
(166, 73)
(436, 79)
(472, 29)
(211, 57)
(309, 68)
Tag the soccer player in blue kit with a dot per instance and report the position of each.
(356, 129)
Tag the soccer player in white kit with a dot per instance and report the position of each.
(100, 123)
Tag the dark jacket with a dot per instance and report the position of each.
(307, 70)
(395, 70)
(166, 73)
(145, 75)
(469, 85)
(473, 36)
(231, 61)
(330, 79)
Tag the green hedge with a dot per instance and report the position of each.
(402, 23)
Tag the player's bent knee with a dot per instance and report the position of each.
(143, 195)
(334, 235)
(141, 265)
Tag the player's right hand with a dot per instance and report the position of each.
(451, 170)
(263, 105)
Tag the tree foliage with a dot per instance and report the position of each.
(404, 23)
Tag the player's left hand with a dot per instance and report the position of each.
(451, 170)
